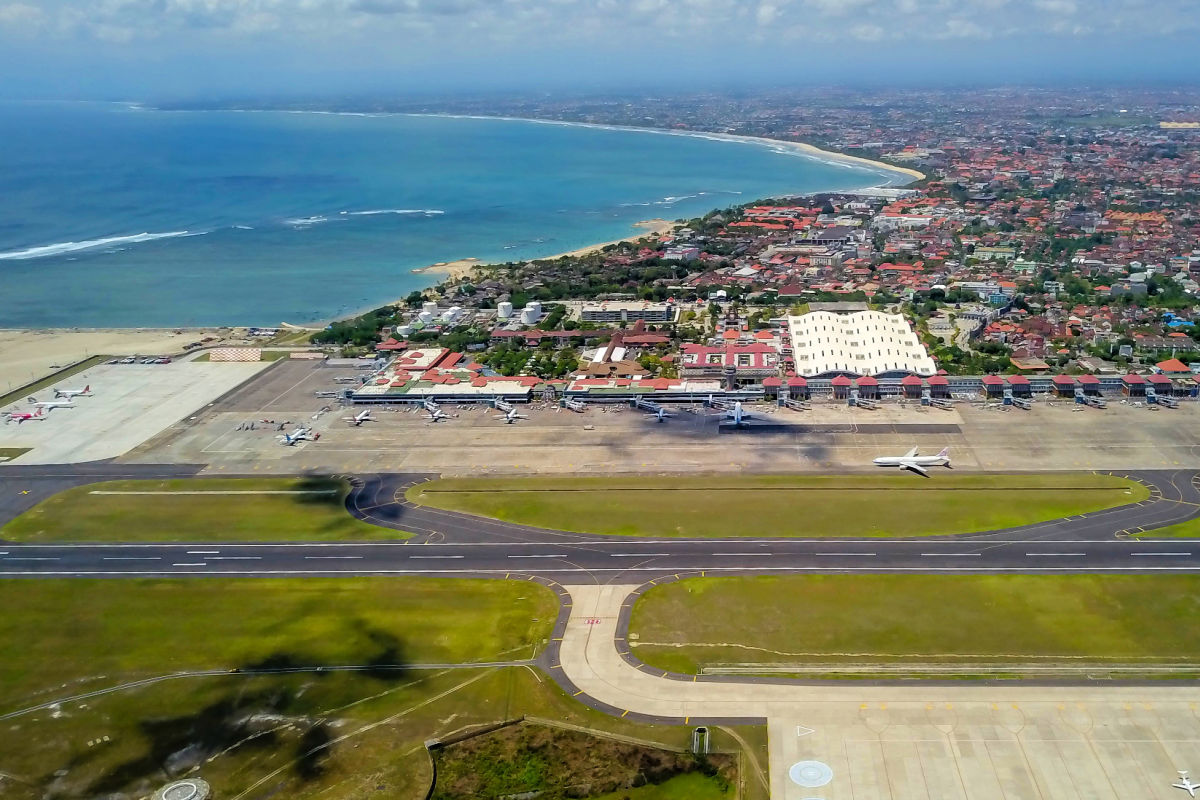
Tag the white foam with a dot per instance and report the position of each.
(89, 244)
(305, 222)
(427, 212)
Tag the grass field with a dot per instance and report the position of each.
(1184, 530)
(9, 453)
(773, 505)
(208, 513)
(333, 735)
(817, 623)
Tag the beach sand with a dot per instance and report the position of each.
(28, 355)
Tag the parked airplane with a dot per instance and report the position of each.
(574, 405)
(913, 462)
(1186, 784)
(70, 394)
(737, 415)
(359, 418)
(435, 412)
(299, 435)
(511, 416)
(654, 408)
(502, 405)
(50, 405)
(23, 416)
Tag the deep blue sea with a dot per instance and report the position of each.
(112, 216)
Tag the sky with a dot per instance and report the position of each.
(180, 49)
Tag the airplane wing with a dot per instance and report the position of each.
(911, 453)
(917, 468)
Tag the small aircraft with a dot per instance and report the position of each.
(511, 416)
(25, 416)
(1186, 784)
(359, 418)
(50, 405)
(71, 394)
(435, 411)
(914, 462)
(574, 405)
(654, 408)
(299, 435)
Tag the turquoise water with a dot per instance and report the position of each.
(119, 217)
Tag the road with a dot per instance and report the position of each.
(451, 544)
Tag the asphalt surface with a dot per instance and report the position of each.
(451, 544)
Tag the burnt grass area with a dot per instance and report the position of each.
(554, 764)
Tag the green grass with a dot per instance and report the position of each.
(37, 386)
(692, 786)
(67, 637)
(10, 453)
(1183, 530)
(822, 621)
(874, 505)
(81, 515)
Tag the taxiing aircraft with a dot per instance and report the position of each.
(1186, 784)
(737, 415)
(50, 405)
(23, 416)
(71, 394)
(435, 411)
(511, 416)
(359, 418)
(914, 462)
(299, 435)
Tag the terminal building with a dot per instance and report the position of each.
(864, 343)
(615, 311)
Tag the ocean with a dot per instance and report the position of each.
(117, 216)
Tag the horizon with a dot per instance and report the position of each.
(187, 49)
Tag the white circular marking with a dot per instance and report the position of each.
(810, 774)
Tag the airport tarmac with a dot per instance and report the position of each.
(830, 437)
(128, 404)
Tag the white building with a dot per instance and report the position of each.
(864, 343)
(613, 311)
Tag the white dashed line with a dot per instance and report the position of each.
(201, 564)
(132, 558)
(202, 552)
(1160, 554)
(32, 558)
(542, 555)
(943, 555)
(234, 558)
(1056, 554)
(330, 558)
(742, 554)
(637, 555)
(436, 556)
(843, 554)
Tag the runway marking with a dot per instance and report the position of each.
(637, 555)
(248, 491)
(330, 558)
(743, 554)
(540, 555)
(950, 555)
(201, 564)
(32, 558)
(234, 558)
(132, 558)
(431, 556)
(843, 554)
(1056, 554)
(203, 552)
(1160, 554)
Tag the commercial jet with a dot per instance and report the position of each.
(654, 408)
(574, 405)
(24, 416)
(71, 394)
(914, 462)
(511, 416)
(50, 405)
(359, 418)
(299, 435)
(737, 415)
(1186, 784)
(435, 411)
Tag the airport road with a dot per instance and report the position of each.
(453, 544)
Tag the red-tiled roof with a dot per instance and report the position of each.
(841, 380)
(911, 380)
(867, 380)
(1132, 379)
(1089, 380)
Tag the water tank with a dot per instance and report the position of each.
(504, 310)
(429, 307)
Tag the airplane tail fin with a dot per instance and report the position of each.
(945, 454)
(87, 388)
(38, 413)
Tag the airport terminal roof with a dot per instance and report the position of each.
(863, 343)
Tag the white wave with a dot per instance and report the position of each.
(243, 227)
(90, 244)
(428, 212)
(305, 222)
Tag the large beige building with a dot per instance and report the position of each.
(864, 343)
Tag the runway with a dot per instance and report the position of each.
(450, 544)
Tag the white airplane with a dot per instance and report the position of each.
(737, 415)
(359, 418)
(24, 416)
(511, 416)
(502, 405)
(435, 411)
(654, 408)
(1186, 784)
(299, 435)
(914, 462)
(50, 405)
(71, 394)
(574, 405)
